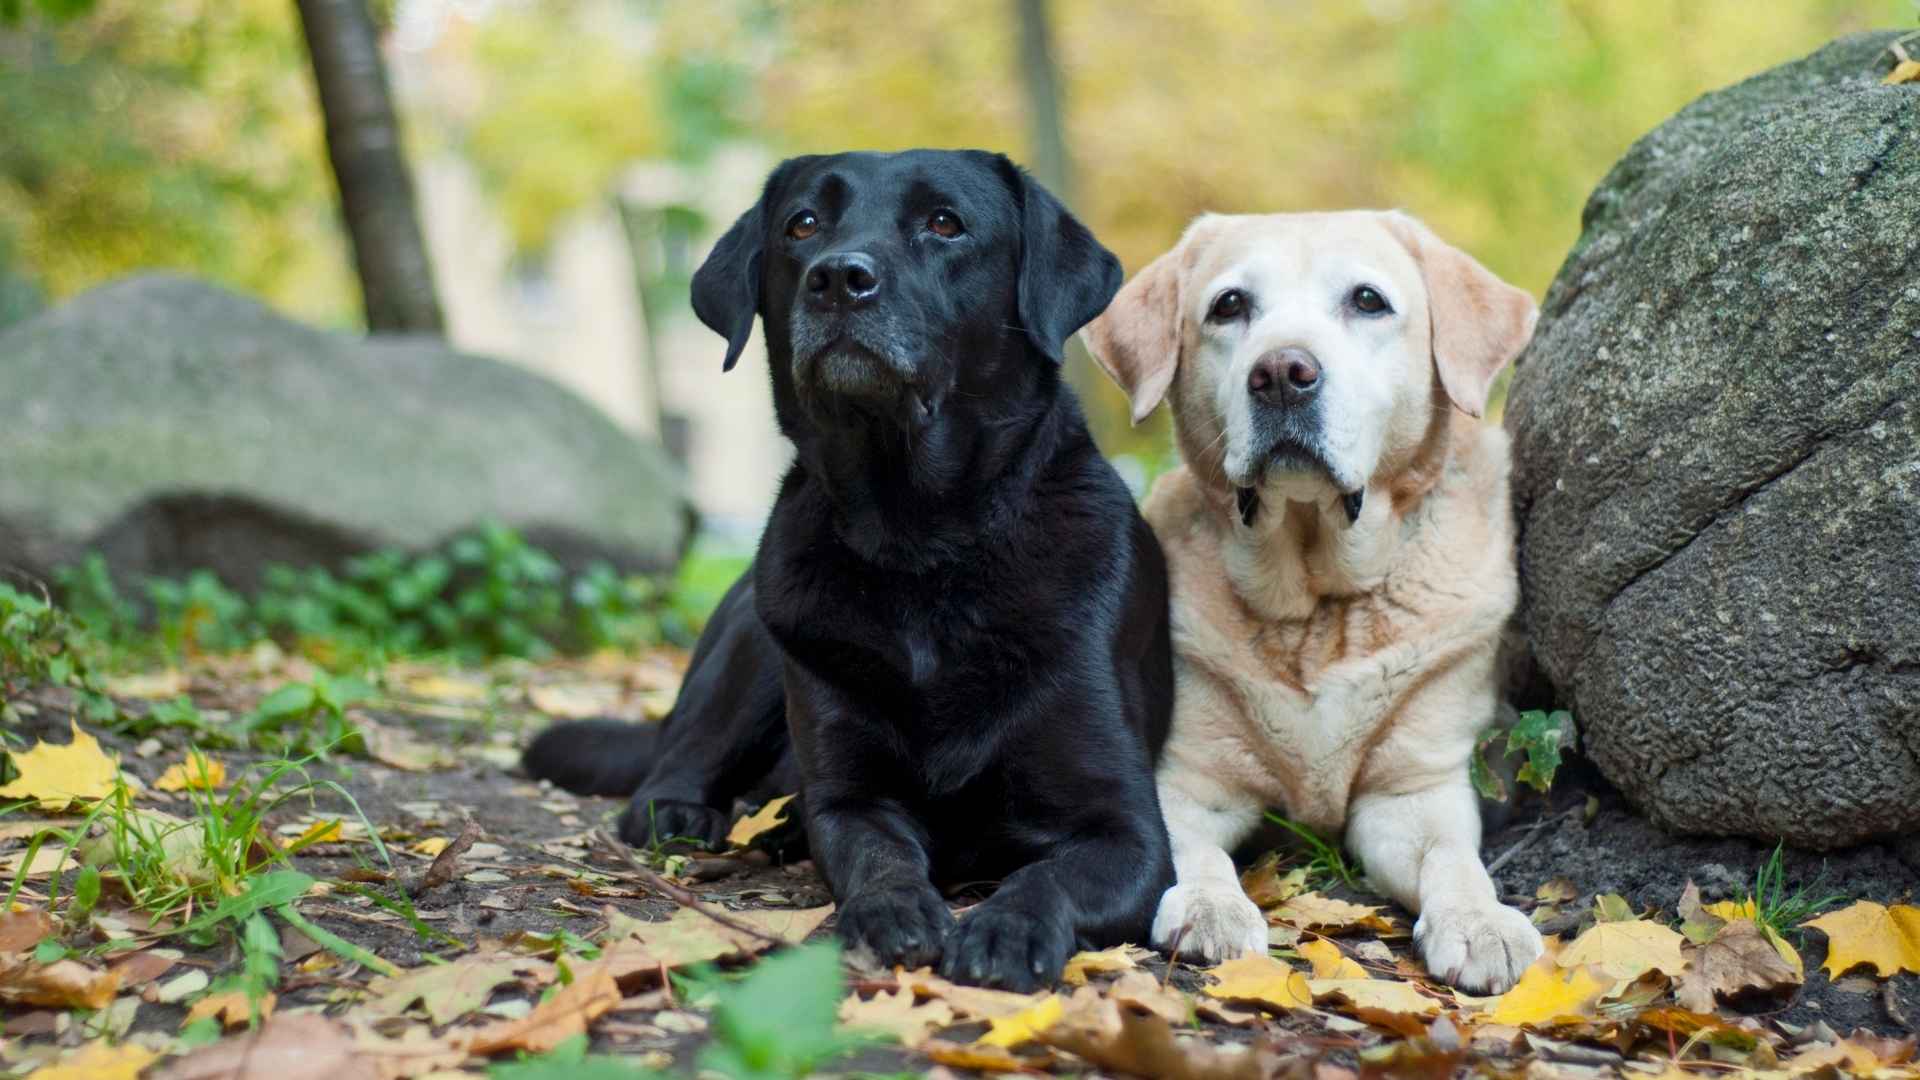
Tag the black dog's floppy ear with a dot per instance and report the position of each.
(726, 288)
(1066, 276)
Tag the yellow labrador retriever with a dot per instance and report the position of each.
(1341, 553)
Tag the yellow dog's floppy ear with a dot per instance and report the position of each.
(1136, 340)
(1480, 323)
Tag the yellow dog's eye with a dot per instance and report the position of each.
(1228, 306)
(1368, 301)
(802, 225)
(945, 224)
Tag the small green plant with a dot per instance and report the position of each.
(1536, 738)
(199, 614)
(1326, 862)
(42, 645)
(487, 594)
(206, 861)
(569, 1061)
(310, 717)
(779, 1021)
(1779, 910)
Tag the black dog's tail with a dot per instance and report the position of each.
(594, 757)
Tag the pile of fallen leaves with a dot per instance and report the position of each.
(480, 923)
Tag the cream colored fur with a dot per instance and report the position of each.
(1338, 671)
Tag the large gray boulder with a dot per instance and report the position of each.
(1717, 461)
(170, 424)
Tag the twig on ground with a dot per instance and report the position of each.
(1533, 833)
(444, 865)
(679, 895)
(1891, 1003)
(1173, 954)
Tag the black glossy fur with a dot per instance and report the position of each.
(956, 609)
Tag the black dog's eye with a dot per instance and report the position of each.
(1228, 306)
(802, 225)
(1367, 301)
(945, 224)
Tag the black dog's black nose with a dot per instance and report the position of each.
(1289, 376)
(843, 279)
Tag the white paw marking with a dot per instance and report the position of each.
(1481, 948)
(1213, 921)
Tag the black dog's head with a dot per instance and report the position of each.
(892, 283)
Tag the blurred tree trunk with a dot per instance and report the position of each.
(1052, 165)
(376, 192)
(1040, 74)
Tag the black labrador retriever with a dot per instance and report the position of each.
(954, 638)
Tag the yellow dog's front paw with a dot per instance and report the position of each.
(1480, 948)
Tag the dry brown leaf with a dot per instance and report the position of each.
(1140, 989)
(163, 685)
(1267, 887)
(60, 775)
(230, 1007)
(1260, 979)
(1329, 962)
(292, 1046)
(63, 984)
(1315, 911)
(767, 818)
(1885, 938)
(447, 991)
(575, 701)
(554, 1020)
(23, 928)
(688, 937)
(1737, 961)
(1627, 950)
(141, 968)
(897, 1013)
(1859, 1054)
(1137, 1041)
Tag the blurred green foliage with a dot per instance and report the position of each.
(487, 594)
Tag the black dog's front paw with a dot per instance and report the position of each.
(1009, 947)
(902, 924)
(669, 822)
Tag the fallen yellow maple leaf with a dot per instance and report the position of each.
(979, 1057)
(1396, 1005)
(1905, 71)
(231, 1007)
(1329, 962)
(760, 821)
(977, 1002)
(98, 1061)
(1548, 994)
(61, 775)
(1105, 962)
(198, 772)
(1007, 1032)
(1627, 950)
(431, 846)
(1888, 938)
(1260, 979)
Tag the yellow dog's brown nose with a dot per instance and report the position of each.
(1289, 376)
